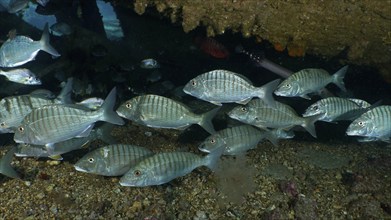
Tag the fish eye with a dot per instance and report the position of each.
(315, 107)
(91, 160)
(288, 85)
(21, 129)
(212, 141)
(243, 109)
(193, 83)
(137, 173)
(361, 123)
(2, 124)
(128, 105)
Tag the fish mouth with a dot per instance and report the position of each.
(80, 169)
(122, 183)
(120, 114)
(201, 148)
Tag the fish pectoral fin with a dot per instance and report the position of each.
(216, 103)
(183, 127)
(86, 132)
(305, 97)
(243, 102)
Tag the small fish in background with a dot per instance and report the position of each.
(261, 115)
(336, 108)
(112, 160)
(223, 86)
(99, 50)
(164, 167)
(149, 64)
(211, 47)
(13, 6)
(373, 125)
(307, 81)
(154, 76)
(82, 86)
(92, 103)
(51, 124)
(61, 28)
(261, 61)
(22, 76)
(55, 151)
(161, 112)
(22, 49)
(43, 3)
(5, 164)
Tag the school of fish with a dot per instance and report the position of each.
(48, 126)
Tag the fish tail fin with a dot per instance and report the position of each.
(211, 159)
(45, 42)
(104, 133)
(109, 115)
(339, 76)
(5, 164)
(266, 92)
(206, 121)
(309, 124)
(65, 95)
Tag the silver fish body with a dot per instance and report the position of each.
(29, 150)
(164, 167)
(259, 114)
(61, 28)
(161, 112)
(21, 49)
(223, 86)
(55, 123)
(336, 108)
(22, 76)
(374, 124)
(112, 160)
(235, 140)
(308, 81)
(14, 108)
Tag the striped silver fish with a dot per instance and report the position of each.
(55, 123)
(259, 114)
(373, 125)
(14, 108)
(112, 160)
(239, 139)
(54, 152)
(21, 49)
(310, 81)
(235, 140)
(223, 86)
(164, 167)
(161, 112)
(336, 108)
(22, 76)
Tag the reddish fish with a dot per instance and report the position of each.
(212, 47)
